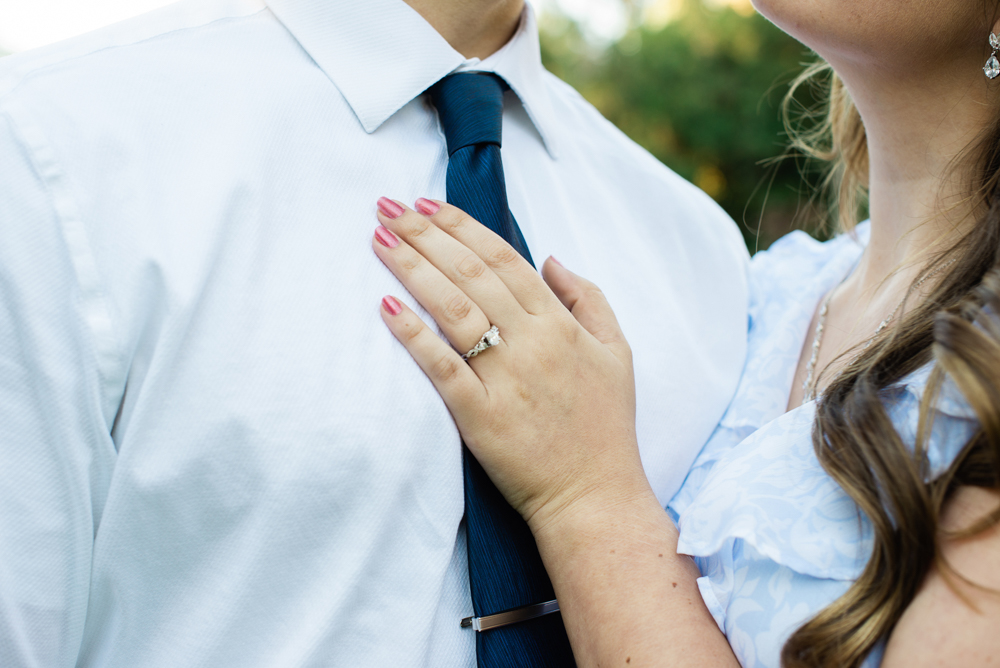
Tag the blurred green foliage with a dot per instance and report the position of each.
(702, 94)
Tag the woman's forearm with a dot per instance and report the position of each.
(627, 597)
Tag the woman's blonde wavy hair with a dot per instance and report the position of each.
(956, 328)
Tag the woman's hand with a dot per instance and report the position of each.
(550, 411)
(550, 414)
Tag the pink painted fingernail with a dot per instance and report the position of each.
(389, 208)
(392, 305)
(556, 261)
(427, 207)
(386, 238)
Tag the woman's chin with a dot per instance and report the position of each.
(801, 19)
(876, 31)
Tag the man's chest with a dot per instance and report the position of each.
(249, 305)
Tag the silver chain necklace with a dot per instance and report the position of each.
(808, 387)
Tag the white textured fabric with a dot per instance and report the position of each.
(777, 539)
(212, 451)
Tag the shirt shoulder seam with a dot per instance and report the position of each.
(19, 78)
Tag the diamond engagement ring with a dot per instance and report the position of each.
(490, 338)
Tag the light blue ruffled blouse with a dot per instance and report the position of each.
(775, 538)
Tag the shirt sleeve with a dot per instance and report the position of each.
(56, 452)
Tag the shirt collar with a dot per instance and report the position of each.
(381, 54)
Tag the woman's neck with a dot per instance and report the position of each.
(919, 126)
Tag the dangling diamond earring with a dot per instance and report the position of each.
(992, 67)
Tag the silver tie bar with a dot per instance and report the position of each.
(510, 616)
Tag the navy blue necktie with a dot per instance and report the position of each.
(505, 570)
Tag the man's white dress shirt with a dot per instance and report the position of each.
(212, 451)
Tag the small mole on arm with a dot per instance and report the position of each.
(612, 551)
(628, 659)
(674, 584)
(661, 555)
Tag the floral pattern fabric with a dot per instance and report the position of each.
(775, 538)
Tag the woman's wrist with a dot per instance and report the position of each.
(622, 495)
(623, 589)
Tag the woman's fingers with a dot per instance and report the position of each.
(454, 260)
(587, 304)
(516, 273)
(455, 381)
(461, 320)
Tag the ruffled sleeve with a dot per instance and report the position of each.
(954, 422)
(758, 479)
(786, 283)
(775, 537)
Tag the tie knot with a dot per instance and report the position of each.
(470, 106)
